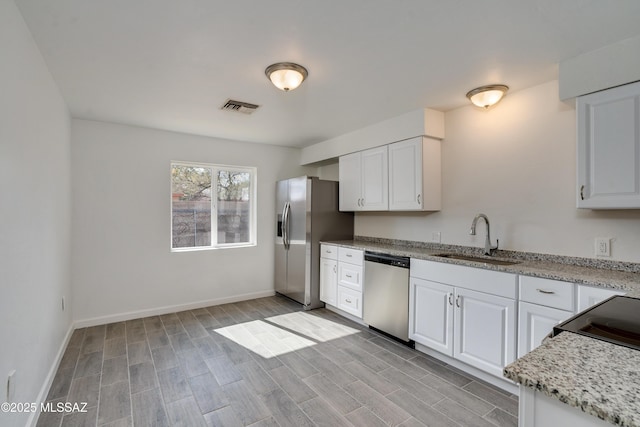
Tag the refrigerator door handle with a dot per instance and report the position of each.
(285, 225)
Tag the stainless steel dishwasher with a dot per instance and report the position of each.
(386, 295)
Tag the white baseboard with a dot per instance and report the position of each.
(44, 390)
(503, 383)
(345, 314)
(102, 320)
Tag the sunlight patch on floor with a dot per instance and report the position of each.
(278, 335)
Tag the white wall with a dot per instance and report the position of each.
(34, 212)
(612, 65)
(122, 261)
(515, 163)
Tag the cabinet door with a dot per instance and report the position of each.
(350, 188)
(375, 179)
(431, 315)
(485, 330)
(535, 322)
(405, 175)
(609, 148)
(588, 296)
(328, 281)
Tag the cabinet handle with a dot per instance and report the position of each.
(543, 291)
(418, 199)
(458, 301)
(328, 251)
(335, 268)
(349, 256)
(348, 276)
(347, 300)
(450, 299)
(582, 193)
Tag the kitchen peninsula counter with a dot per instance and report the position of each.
(599, 378)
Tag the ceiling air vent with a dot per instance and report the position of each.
(239, 106)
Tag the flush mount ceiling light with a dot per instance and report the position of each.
(286, 76)
(486, 96)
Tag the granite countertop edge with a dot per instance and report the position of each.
(534, 265)
(595, 385)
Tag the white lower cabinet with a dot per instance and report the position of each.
(328, 281)
(589, 296)
(341, 278)
(474, 327)
(539, 410)
(535, 322)
(484, 330)
(329, 274)
(543, 304)
(431, 315)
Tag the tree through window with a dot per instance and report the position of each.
(198, 219)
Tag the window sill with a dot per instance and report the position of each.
(213, 248)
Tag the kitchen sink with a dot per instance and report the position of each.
(482, 260)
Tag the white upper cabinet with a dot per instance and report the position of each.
(414, 175)
(375, 179)
(350, 170)
(403, 176)
(609, 148)
(364, 180)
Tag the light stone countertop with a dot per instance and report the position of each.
(587, 271)
(600, 378)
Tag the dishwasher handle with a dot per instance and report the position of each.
(393, 260)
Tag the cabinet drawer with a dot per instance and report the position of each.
(329, 251)
(350, 301)
(352, 256)
(551, 293)
(350, 275)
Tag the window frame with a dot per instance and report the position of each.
(215, 167)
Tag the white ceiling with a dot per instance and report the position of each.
(171, 64)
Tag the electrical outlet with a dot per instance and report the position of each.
(435, 237)
(603, 246)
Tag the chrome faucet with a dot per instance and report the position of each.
(488, 249)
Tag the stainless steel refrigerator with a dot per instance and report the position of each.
(307, 212)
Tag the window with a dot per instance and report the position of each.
(212, 206)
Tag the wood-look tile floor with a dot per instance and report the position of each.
(262, 362)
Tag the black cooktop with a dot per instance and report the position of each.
(615, 320)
